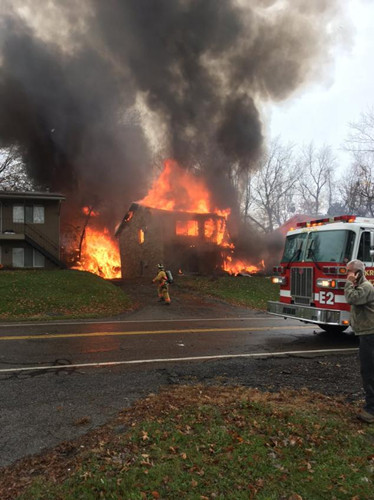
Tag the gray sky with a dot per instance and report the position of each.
(322, 111)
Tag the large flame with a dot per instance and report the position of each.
(177, 189)
(100, 254)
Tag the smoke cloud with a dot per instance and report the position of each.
(94, 93)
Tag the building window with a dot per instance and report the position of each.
(38, 215)
(18, 213)
(141, 236)
(187, 228)
(18, 259)
(27, 257)
(38, 259)
(31, 214)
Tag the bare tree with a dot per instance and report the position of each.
(357, 186)
(361, 136)
(13, 175)
(273, 187)
(315, 184)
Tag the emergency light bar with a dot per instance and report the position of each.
(345, 218)
(327, 220)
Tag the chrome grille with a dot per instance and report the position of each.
(302, 285)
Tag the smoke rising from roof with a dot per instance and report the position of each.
(72, 77)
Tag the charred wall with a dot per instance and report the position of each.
(148, 237)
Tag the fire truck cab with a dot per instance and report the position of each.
(313, 272)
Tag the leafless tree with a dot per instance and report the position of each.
(361, 137)
(357, 186)
(273, 187)
(13, 175)
(315, 184)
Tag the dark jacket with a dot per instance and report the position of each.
(361, 299)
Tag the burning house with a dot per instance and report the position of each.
(176, 224)
(185, 241)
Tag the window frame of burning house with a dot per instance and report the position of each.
(29, 214)
(182, 228)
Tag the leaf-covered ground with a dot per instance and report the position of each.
(41, 295)
(208, 443)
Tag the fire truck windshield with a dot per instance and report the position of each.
(319, 246)
(330, 246)
(294, 248)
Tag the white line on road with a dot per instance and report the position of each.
(191, 358)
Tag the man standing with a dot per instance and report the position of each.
(359, 293)
(162, 285)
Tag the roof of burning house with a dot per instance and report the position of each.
(31, 195)
(135, 206)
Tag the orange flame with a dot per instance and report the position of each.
(237, 266)
(178, 190)
(100, 254)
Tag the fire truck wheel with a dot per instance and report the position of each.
(333, 329)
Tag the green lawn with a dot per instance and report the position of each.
(223, 443)
(251, 292)
(40, 295)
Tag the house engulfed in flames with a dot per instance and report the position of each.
(187, 242)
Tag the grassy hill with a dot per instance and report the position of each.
(61, 294)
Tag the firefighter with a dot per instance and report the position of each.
(359, 293)
(162, 285)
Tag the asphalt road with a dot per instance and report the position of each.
(26, 348)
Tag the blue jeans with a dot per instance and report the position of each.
(366, 352)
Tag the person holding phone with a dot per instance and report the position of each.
(359, 293)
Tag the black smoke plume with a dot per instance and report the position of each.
(89, 90)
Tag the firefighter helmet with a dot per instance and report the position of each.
(160, 267)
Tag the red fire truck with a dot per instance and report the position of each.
(313, 269)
